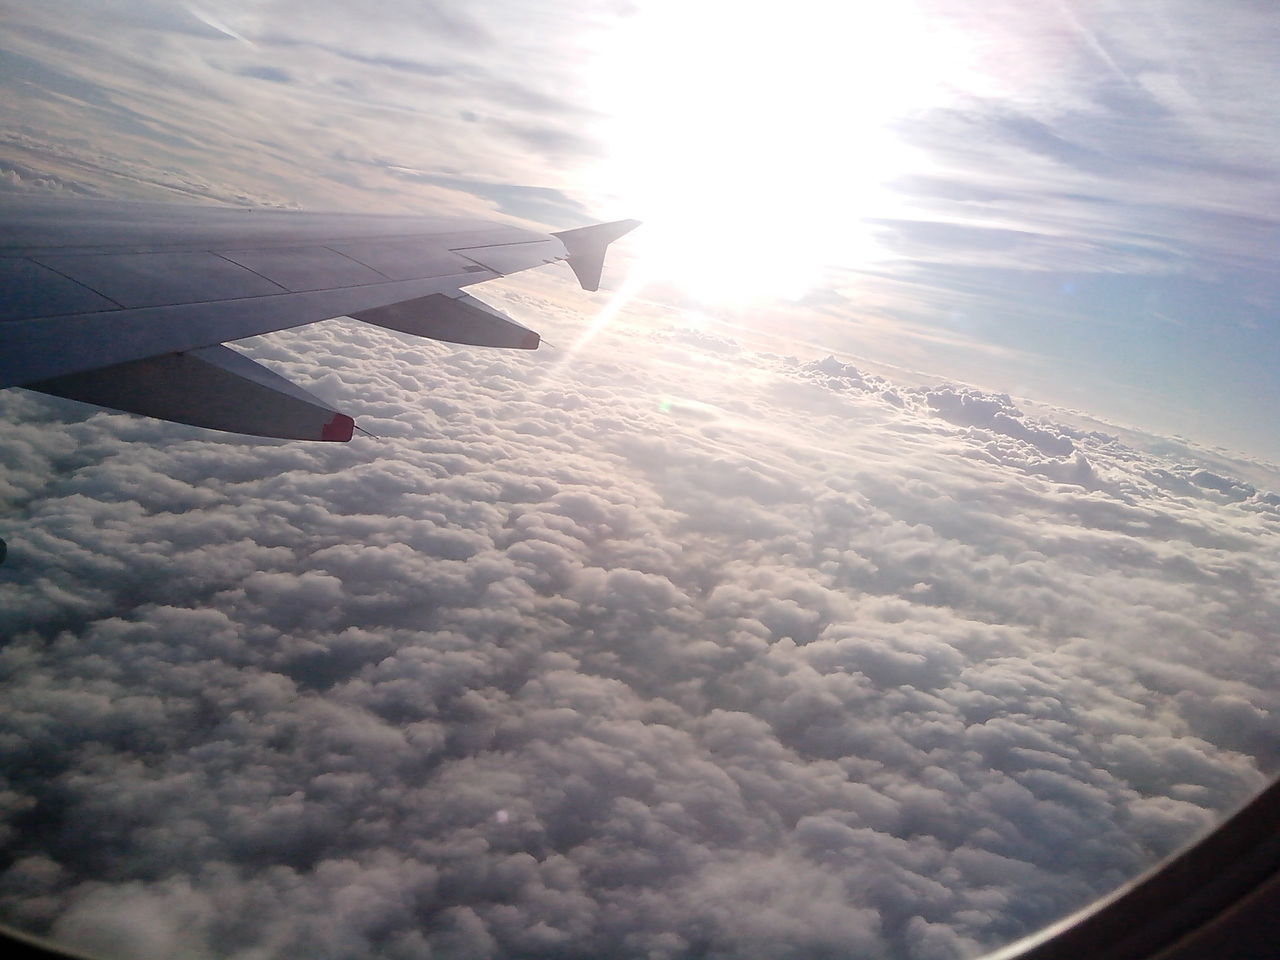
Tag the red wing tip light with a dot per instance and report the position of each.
(339, 429)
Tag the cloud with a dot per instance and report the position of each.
(711, 652)
(271, 103)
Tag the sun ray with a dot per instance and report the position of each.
(631, 285)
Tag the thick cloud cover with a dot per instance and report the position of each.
(661, 647)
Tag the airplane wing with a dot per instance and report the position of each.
(128, 305)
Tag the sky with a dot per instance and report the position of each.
(1070, 202)
(883, 565)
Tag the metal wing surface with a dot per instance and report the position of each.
(126, 304)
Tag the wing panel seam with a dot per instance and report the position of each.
(506, 243)
(354, 260)
(79, 283)
(279, 286)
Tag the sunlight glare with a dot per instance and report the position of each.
(755, 139)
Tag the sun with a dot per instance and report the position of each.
(755, 140)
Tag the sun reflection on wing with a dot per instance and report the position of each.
(754, 140)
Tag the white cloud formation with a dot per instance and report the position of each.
(673, 649)
(406, 107)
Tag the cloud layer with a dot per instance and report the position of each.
(666, 648)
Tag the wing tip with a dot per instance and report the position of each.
(586, 247)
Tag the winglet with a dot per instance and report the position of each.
(586, 246)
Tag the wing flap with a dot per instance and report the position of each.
(213, 387)
(455, 319)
